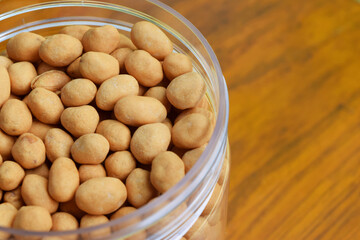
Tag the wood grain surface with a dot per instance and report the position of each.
(293, 72)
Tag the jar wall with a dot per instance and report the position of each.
(211, 225)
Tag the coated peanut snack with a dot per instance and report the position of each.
(94, 125)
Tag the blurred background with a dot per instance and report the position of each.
(293, 73)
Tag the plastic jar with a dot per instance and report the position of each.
(179, 213)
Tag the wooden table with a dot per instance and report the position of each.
(293, 71)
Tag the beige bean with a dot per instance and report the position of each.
(7, 213)
(76, 31)
(34, 191)
(6, 145)
(191, 157)
(192, 131)
(12, 96)
(186, 90)
(14, 197)
(33, 218)
(5, 62)
(120, 54)
(167, 169)
(215, 196)
(62, 221)
(15, 117)
(101, 39)
(145, 68)
(5, 85)
(149, 140)
(60, 50)
(63, 179)
(203, 111)
(98, 66)
(11, 175)
(101, 195)
(123, 212)
(199, 230)
(39, 129)
(87, 171)
(80, 120)
(25, 47)
(139, 110)
(44, 67)
(142, 90)
(25, 99)
(91, 220)
(114, 89)
(73, 69)
(21, 74)
(176, 64)
(58, 144)
(139, 188)
(168, 123)
(149, 37)
(71, 208)
(53, 80)
(125, 42)
(120, 164)
(159, 93)
(203, 103)
(45, 105)
(53, 238)
(90, 148)
(117, 133)
(29, 151)
(78, 92)
(42, 170)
